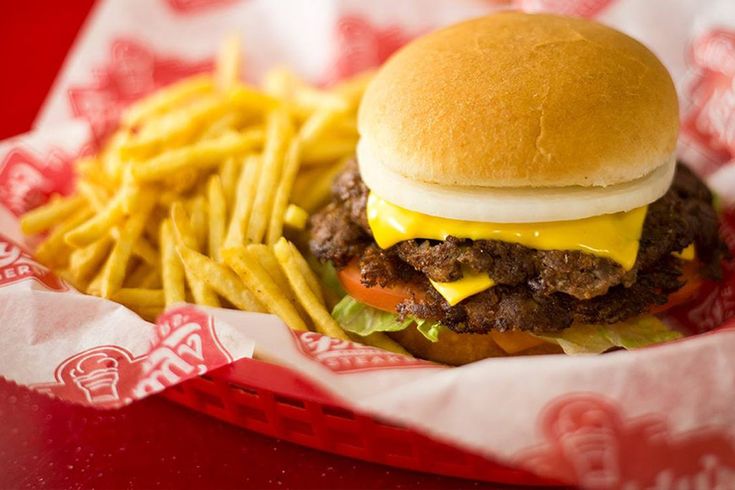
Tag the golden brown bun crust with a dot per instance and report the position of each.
(514, 100)
(457, 349)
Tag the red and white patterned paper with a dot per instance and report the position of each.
(132, 71)
(660, 417)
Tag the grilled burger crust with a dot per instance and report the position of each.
(536, 290)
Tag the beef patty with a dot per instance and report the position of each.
(538, 290)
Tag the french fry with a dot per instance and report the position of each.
(172, 271)
(186, 237)
(351, 90)
(312, 99)
(295, 217)
(54, 250)
(285, 248)
(323, 321)
(229, 174)
(180, 182)
(244, 200)
(199, 216)
(146, 251)
(99, 224)
(139, 297)
(44, 217)
(278, 134)
(178, 196)
(313, 187)
(149, 313)
(95, 195)
(318, 124)
(329, 150)
(260, 283)
(114, 270)
(152, 280)
(88, 168)
(68, 277)
(95, 285)
(183, 230)
(221, 279)
(381, 341)
(173, 129)
(217, 216)
(130, 190)
(168, 197)
(152, 230)
(345, 127)
(165, 99)
(201, 155)
(84, 261)
(201, 291)
(283, 83)
(248, 99)
(112, 161)
(144, 276)
(227, 122)
(265, 257)
(279, 82)
(140, 274)
(227, 70)
(283, 191)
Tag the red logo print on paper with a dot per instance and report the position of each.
(708, 125)
(103, 377)
(362, 45)
(28, 180)
(590, 443)
(187, 346)
(110, 376)
(577, 8)
(133, 71)
(343, 356)
(196, 6)
(16, 264)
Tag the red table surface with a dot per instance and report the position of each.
(46, 443)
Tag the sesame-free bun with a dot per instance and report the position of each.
(520, 100)
(457, 349)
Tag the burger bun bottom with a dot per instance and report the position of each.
(456, 349)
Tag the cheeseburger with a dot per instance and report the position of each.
(516, 191)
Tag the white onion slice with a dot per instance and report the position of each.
(515, 205)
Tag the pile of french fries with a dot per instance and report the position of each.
(189, 199)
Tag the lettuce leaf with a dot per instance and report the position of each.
(645, 330)
(429, 329)
(363, 320)
(595, 339)
(328, 275)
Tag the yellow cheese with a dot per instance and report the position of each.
(687, 254)
(456, 291)
(295, 217)
(614, 236)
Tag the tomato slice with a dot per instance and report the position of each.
(690, 274)
(382, 298)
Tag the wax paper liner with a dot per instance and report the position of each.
(660, 416)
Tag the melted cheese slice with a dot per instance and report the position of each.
(687, 254)
(470, 284)
(613, 236)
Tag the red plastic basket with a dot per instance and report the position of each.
(236, 394)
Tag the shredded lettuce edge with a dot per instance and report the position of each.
(363, 320)
(642, 331)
